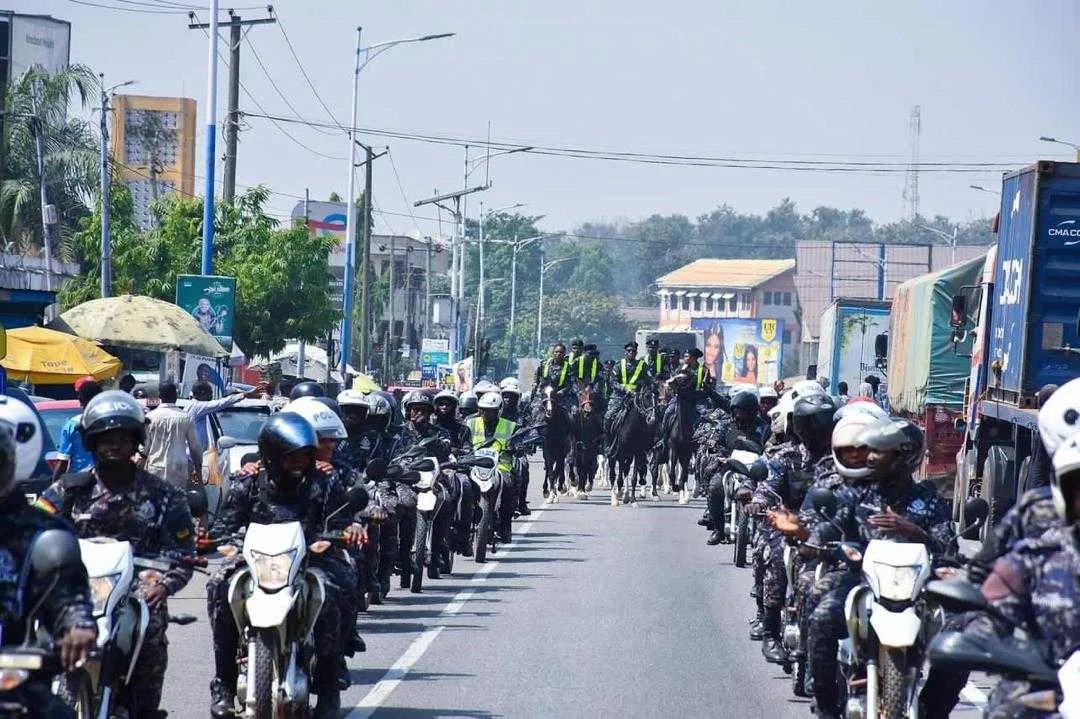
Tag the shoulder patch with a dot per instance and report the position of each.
(77, 480)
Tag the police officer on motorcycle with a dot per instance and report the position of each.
(487, 426)
(287, 488)
(745, 422)
(117, 499)
(446, 403)
(66, 612)
(514, 411)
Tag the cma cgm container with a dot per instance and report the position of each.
(1024, 316)
(926, 372)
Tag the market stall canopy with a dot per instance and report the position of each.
(314, 363)
(141, 323)
(43, 356)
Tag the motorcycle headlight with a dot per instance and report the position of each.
(11, 678)
(897, 583)
(100, 589)
(272, 570)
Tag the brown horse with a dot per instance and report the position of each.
(586, 432)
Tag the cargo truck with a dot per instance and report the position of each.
(847, 344)
(1022, 322)
(926, 373)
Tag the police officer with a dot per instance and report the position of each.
(287, 488)
(446, 405)
(655, 362)
(446, 417)
(117, 499)
(488, 425)
(577, 351)
(744, 422)
(466, 405)
(554, 371)
(513, 411)
(67, 613)
(586, 366)
(887, 504)
(629, 377)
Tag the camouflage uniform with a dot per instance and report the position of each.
(709, 471)
(66, 606)
(786, 450)
(154, 516)
(790, 474)
(254, 498)
(918, 503)
(461, 520)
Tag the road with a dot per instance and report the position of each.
(591, 611)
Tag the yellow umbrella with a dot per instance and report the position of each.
(364, 383)
(42, 356)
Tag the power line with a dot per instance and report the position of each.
(401, 188)
(281, 94)
(734, 162)
(310, 84)
(144, 11)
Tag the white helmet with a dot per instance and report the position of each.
(490, 400)
(860, 406)
(511, 385)
(1066, 466)
(350, 396)
(1059, 417)
(26, 429)
(845, 433)
(781, 413)
(766, 391)
(484, 386)
(326, 423)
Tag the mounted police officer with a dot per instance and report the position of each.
(577, 351)
(489, 426)
(554, 371)
(117, 499)
(66, 613)
(630, 377)
(287, 488)
(586, 367)
(655, 361)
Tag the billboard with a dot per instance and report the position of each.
(324, 219)
(38, 40)
(742, 351)
(211, 300)
(849, 330)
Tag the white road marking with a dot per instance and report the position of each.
(389, 681)
(973, 695)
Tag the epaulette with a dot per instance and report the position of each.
(78, 480)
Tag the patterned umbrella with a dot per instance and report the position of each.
(140, 323)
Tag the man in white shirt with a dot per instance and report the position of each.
(203, 404)
(172, 449)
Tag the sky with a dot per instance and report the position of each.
(771, 80)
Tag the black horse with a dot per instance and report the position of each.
(677, 434)
(586, 432)
(628, 445)
(556, 421)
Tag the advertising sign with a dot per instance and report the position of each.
(324, 219)
(198, 368)
(211, 300)
(434, 352)
(38, 40)
(738, 351)
(463, 372)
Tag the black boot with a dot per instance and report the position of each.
(757, 632)
(715, 538)
(523, 509)
(222, 699)
(706, 520)
(329, 704)
(772, 648)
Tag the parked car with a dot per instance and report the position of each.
(55, 412)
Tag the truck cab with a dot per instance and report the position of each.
(1025, 318)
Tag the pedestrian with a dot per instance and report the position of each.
(71, 453)
(203, 404)
(842, 393)
(171, 450)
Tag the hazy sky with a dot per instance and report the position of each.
(755, 79)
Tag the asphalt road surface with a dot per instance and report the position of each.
(591, 611)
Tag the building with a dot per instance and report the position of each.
(825, 271)
(742, 307)
(153, 148)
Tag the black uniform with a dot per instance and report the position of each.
(254, 498)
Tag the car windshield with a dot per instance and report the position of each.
(243, 425)
(55, 418)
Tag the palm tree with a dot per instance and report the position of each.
(37, 108)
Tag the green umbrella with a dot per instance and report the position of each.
(140, 323)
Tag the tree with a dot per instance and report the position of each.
(575, 313)
(282, 275)
(37, 108)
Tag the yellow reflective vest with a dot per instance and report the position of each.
(629, 379)
(503, 430)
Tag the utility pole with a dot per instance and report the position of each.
(393, 263)
(513, 304)
(232, 121)
(106, 238)
(540, 306)
(301, 360)
(350, 222)
(365, 265)
(427, 291)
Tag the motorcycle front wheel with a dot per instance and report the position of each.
(265, 663)
(74, 690)
(483, 531)
(742, 538)
(892, 663)
(419, 553)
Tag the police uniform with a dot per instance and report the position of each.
(151, 514)
(255, 498)
(507, 499)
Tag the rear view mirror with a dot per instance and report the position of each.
(53, 551)
(482, 462)
(976, 510)
(759, 471)
(226, 442)
(356, 497)
(823, 501)
(198, 502)
(425, 465)
(881, 346)
(375, 469)
(959, 311)
(747, 445)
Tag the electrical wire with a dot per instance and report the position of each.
(284, 98)
(401, 189)
(307, 79)
(144, 11)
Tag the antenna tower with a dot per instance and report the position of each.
(911, 183)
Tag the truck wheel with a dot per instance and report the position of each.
(999, 481)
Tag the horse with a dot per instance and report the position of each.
(628, 438)
(586, 431)
(657, 469)
(677, 435)
(556, 443)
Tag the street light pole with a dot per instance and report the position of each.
(211, 139)
(1056, 141)
(350, 224)
(950, 239)
(106, 238)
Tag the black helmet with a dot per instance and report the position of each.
(467, 404)
(307, 388)
(812, 420)
(112, 410)
(745, 400)
(285, 433)
(897, 436)
(418, 396)
(331, 403)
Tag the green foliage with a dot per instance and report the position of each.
(281, 274)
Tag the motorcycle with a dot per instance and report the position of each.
(35, 664)
(487, 481)
(275, 600)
